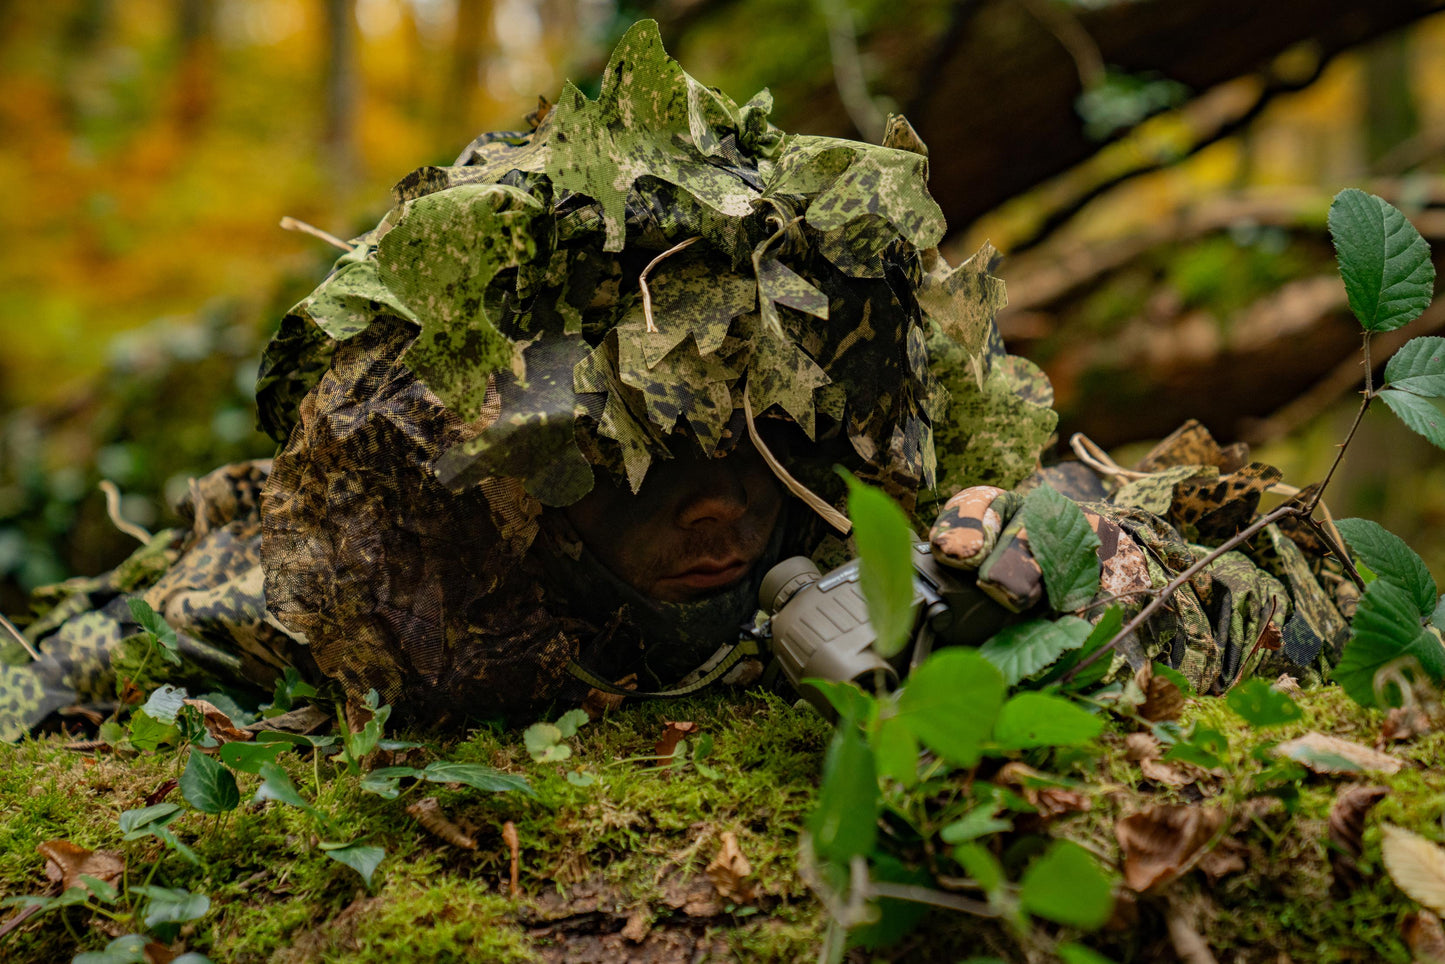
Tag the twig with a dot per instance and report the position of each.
(291, 224)
(642, 280)
(848, 70)
(10, 628)
(112, 509)
(1168, 591)
(1328, 535)
(1058, 20)
(927, 895)
(1359, 417)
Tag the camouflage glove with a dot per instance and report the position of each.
(980, 528)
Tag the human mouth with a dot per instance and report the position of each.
(710, 574)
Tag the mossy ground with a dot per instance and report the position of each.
(630, 849)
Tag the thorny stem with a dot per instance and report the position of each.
(1339, 552)
(1314, 500)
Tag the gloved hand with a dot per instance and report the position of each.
(980, 529)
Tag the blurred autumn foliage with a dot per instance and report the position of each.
(1156, 173)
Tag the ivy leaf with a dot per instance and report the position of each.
(1391, 559)
(1065, 546)
(159, 629)
(1421, 415)
(1066, 886)
(165, 703)
(1261, 705)
(476, 775)
(249, 757)
(845, 822)
(362, 859)
(148, 733)
(1384, 262)
(276, 785)
(885, 570)
(571, 721)
(208, 786)
(950, 703)
(1039, 719)
(1418, 367)
(135, 824)
(978, 822)
(127, 949)
(896, 750)
(171, 905)
(1021, 651)
(1386, 627)
(385, 782)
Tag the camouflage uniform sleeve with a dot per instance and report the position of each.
(428, 596)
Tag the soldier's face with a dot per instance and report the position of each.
(696, 527)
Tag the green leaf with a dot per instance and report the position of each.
(385, 782)
(1105, 629)
(1065, 545)
(102, 891)
(885, 569)
(476, 775)
(1437, 618)
(295, 739)
(248, 757)
(1261, 705)
(1066, 886)
(1418, 367)
(362, 859)
(1174, 676)
(165, 703)
(1391, 559)
(276, 785)
(544, 743)
(289, 688)
(1421, 415)
(1386, 628)
(135, 824)
(112, 733)
(950, 703)
(1079, 954)
(584, 778)
(170, 905)
(1203, 747)
(148, 733)
(846, 697)
(896, 750)
(1021, 651)
(1384, 262)
(208, 786)
(571, 721)
(981, 865)
(978, 822)
(844, 824)
(1039, 719)
(129, 949)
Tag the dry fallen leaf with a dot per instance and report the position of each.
(729, 871)
(673, 735)
(1287, 684)
(1225, 859)
(1416, 865)
(1347, 826)
(428, 813)
(514, 846)
(303, 720)
(1161, 843)
(1425, 937)
(161, 792)
(1162, 699)
(1139, 747)
(1403, 723)
(1330, 754)
(218, 723)
(67, 862)
(1270, 637)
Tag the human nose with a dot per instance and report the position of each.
(718, 497)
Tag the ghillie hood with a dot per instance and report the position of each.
(657, 259)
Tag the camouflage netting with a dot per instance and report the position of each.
(640, 268)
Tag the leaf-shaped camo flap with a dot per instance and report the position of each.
(1419, 367)
(780, 373)
(964, 300)
(698, 297)
(439, 259)
(1416, 865)
(1191, 444)
(350, 299)
(682, 383)
(890, 184)
(1155, 492)
(1212, 509)
(781, 284)
(598, 373)
(1384, 262)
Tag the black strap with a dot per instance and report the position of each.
(745, 648)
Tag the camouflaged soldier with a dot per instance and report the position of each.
(550, 421)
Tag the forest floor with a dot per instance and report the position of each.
(617, 858)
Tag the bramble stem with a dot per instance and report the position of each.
(1309, 509)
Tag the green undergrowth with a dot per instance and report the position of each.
(638, 834)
